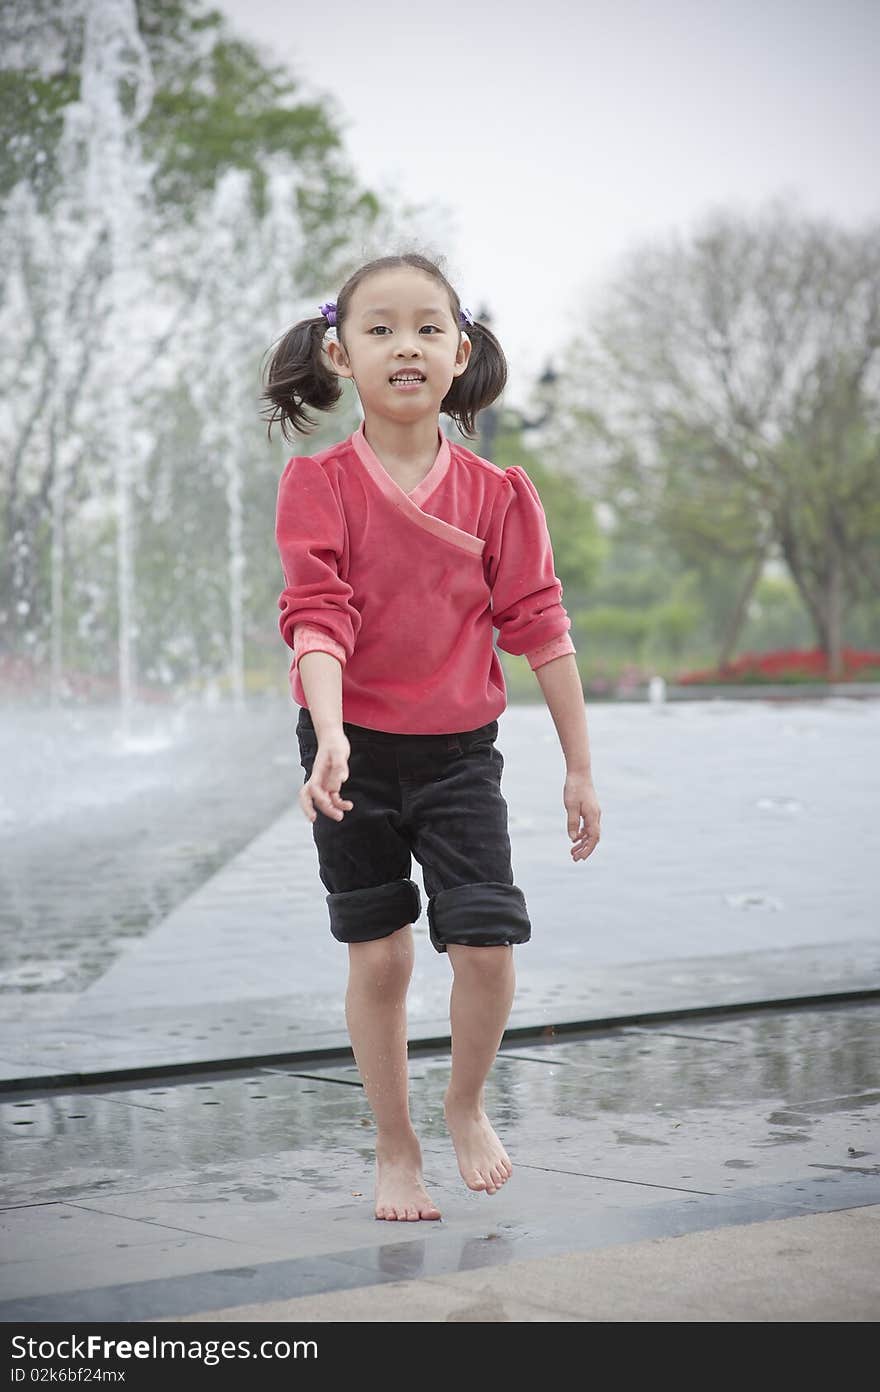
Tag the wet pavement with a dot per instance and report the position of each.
(247, 1195)
(693, 1057)
(127, 827)
(728, 827)
(736, 867)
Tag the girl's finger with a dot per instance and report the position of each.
(323, 798)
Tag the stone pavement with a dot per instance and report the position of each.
(688, 1087)
(738, 853)
(697, 1170)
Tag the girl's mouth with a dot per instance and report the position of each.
(407, 383)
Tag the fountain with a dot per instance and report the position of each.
(115, 66)
(135, 313)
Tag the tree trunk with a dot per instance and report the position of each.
(812, 604)
(834, 611)
(737, 619)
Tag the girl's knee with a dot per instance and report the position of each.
(481, 963)
(385, 963)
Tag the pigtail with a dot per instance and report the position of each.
(296, 376)
(482, 381)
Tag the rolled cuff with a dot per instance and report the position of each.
(308, 638)
(488, 914)
(362, 915)
(557, 647)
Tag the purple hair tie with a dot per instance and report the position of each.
(329, 312)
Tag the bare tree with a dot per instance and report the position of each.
(730, 385)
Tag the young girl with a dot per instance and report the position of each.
(401, 551)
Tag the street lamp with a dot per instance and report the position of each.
(546, 395)
(489, 419)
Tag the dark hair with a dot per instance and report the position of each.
(297, 375)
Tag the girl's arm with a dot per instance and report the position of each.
(321, 677)
(310, 535)
(529, 615)
(561, 684)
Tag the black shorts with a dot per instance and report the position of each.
(435, 797)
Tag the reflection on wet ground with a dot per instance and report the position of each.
(165, 1198)
(795, 1067)
(129, 827)
(730, 827)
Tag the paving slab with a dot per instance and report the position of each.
(811, 1269)
(210, 1195)
(735, 867)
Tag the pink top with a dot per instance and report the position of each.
(406, 588)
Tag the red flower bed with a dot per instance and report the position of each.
(788, 665)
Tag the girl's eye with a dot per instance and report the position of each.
(385, 326)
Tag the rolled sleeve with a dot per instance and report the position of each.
(527, 605)
(557, 647)
(307, 638)
(311, 538)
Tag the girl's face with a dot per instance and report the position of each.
(400, 319)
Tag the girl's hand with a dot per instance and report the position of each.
(583, 812)
(329, 772)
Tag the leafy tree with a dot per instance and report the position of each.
(728, 394)
(216, 106)
(578, 544)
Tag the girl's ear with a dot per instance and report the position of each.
(463, 354)
(338, 360)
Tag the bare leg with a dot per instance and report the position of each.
(375, 1010)
(482, 994)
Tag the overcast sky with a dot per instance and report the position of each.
(555, 134)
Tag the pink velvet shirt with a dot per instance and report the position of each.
(405, 589)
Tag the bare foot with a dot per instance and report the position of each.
(400, 1193)
(482, 1160)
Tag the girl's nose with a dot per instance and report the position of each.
(408, 341)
